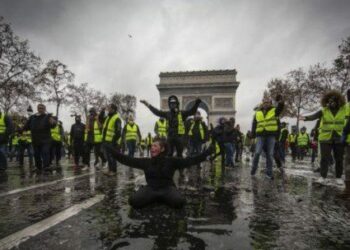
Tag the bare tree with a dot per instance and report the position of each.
(342, 66)
(81, 97)
(299, 97)
(18, 67)
(55, 78)
(126, 104)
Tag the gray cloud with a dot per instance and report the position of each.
(261, 39)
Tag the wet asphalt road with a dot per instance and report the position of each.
(226, 209)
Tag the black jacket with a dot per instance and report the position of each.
(171, 117)
(77, 133)
(159, 171)
(9, 129)
(40, 128)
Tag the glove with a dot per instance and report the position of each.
(278, 98)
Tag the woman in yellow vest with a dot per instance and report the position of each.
(131, 135)
(57, 135)
(265, 129)
(161, 128)
(292, 142)
(25, 143)
(332, 121)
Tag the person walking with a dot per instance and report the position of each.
(93, 139)
(303, 142)
(265, 129)
(76, 141)
(332, 121)
(25, 144)
(131, 135)
(175, 120)
(40, 125)
(57, 135)
(282, 141)
(292, 141)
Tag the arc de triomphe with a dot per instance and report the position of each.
(216, 88)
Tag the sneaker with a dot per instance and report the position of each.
(86, 167)
(321, 180)
(339, 181)
(269, 177)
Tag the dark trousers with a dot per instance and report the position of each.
(147, 195)
(42, 155)
(176, 143)
(302, 150)
(313, 154)
(97, 150)
(326, 155)
(22, 148)
(55, 151)
(78, 152)
(238, 149)
(282, 150)
(112, 163)
(195, 147)
(131, 145)
(148, 147)
(293, 148)
(3, 156)
(277, 155)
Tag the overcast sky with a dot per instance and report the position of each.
(260, 39)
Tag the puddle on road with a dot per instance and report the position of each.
(226, 209)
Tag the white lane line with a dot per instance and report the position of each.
(15, 239)
(15, 191)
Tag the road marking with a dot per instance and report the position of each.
(15, 191)
(15, 239)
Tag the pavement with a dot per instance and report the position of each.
(226, 209)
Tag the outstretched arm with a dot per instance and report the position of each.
(312, 117)
(154, 110)
(139, 163)
(191, 111)
(180, 163)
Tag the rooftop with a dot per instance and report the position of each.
(198, 73)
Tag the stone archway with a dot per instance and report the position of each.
(216, 88)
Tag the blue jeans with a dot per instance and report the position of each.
(112, 163)
(267, 143)
(3, 156)
(229, 152)
(131, 145)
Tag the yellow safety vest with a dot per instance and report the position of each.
(109, 127)
(131, 132)
(55, 133)
(201, 130)
(330, 123)
(266, 122)
(143, 143)
(292, 138)
(162, 128)
(303, 139)
(181, 126)
(97, 133)
(15, 140)
(149, 140)
(2, 124)
(26, 137)
(347, 106)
